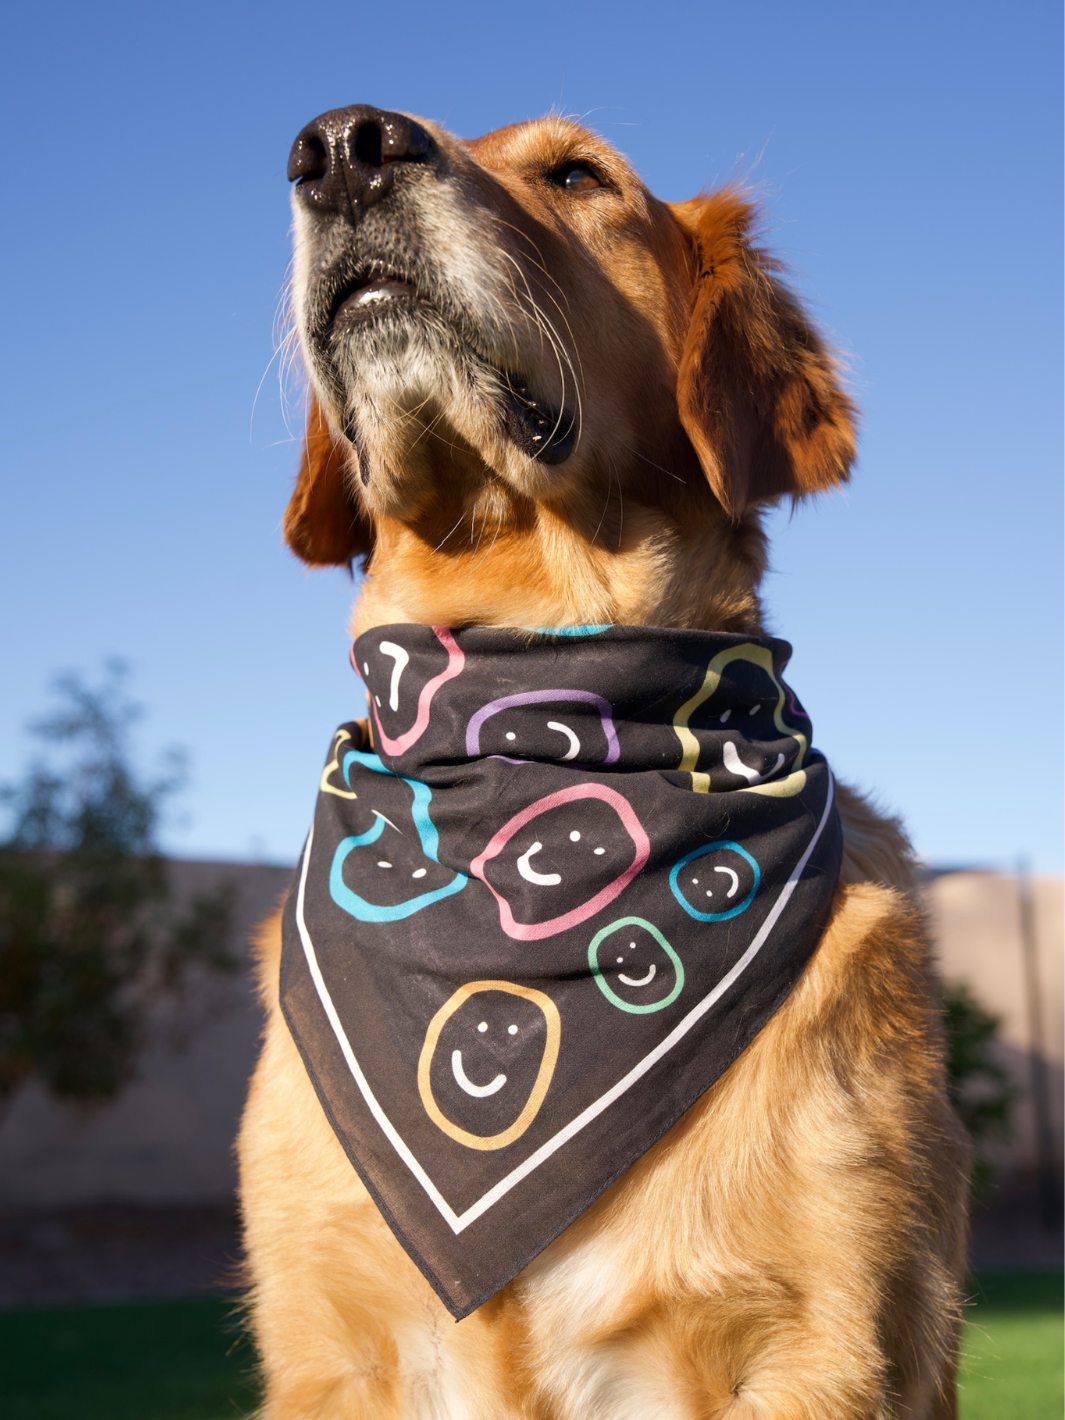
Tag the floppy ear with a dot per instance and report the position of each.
(759, 394)
(324, 525)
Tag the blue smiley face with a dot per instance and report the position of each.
(715, 882)
(396, 878)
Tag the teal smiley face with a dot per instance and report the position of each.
(635, 967)
(715, 882)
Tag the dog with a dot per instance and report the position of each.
(539, 396)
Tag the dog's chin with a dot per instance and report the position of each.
(390, 356)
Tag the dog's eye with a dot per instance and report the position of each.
(575, 177)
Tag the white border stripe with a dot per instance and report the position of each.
(458, 1221)
(353, 1065)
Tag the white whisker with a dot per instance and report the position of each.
(658, 466)
(554, 339)
(444, 539)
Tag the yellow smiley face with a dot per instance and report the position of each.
(490, 1045)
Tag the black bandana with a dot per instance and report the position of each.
(581, 872)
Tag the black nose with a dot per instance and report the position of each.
(347, 159)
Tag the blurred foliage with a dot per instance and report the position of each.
(90, 940)
(980, 1087)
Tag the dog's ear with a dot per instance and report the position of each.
(759, 393)
(324, 524)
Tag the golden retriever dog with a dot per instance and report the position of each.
(540, 396)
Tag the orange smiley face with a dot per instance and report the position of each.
(488, 1060)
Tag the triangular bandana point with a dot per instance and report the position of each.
(575, 876)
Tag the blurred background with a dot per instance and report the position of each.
(908, 163)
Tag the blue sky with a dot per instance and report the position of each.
(908, 158)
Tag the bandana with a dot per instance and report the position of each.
(583, 868)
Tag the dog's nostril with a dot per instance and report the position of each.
(389, 138)
(308, 160)
(347, 159)
(366, 144)
(404, 140)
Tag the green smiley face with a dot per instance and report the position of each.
(635, 967)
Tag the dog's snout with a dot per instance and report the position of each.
(347, 159)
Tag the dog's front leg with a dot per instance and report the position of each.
(794, 1249)
(346, 1326)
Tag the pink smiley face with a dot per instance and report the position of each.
(562, 859)
(399, 704)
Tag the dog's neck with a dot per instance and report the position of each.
(636, 540)
(551, 573)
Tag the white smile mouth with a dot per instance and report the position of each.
(479, 1092)
(530, 874)
(643, 980)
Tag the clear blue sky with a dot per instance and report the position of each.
(909, 159)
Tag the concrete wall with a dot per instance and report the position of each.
(976, 920)
(169, 1137)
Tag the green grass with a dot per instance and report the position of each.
(1012, 1349)
(182, 1360)
(189, 1361)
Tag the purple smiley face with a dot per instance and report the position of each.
(571, 726)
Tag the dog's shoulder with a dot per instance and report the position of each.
(266, 957)
(875, 846)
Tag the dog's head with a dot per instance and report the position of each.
(543, 393)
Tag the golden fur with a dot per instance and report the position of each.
(794, 1248)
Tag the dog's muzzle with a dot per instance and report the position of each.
(347, 159)
(342, 163)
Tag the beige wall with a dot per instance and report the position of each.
(976, 921)
(169, 1137)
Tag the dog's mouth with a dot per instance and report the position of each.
(370, 298)
(539, 428)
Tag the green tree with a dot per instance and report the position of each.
(980, 1087)
(90, 939)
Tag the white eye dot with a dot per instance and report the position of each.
(599, 850)
(755, 709)
(418, 873)
(512, 1030)
(483, 1027)
(574, 837)
(383, 864)
(511, 735)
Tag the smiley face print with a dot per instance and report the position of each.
(716, 881)
(331, 778)
(742, 696)
(487, 1062)
(391, 870)
(571, 726)
(399, 704)
(561, 860)
(635, 967)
